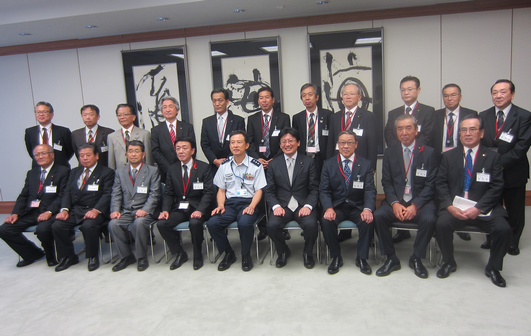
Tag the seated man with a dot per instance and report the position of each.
(292, 193)
(134, 200)
(240, 180)
(347, 192)
(186, 201)
(408, 179)
(85, 202)
(37, 204)
(471, 175)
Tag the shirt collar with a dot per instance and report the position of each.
(223, 115)
(94, 130)
(47, 169)
(130, 129)
(474, 150)
(174, 123)
(189, 164)
(244, 162)
(455, 112)
(91, 169)
(505, 111)
(294, 157)
(411, 147)
(412, 105)
(351, 158)
(310, 112)
(353, 110)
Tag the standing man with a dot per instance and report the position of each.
(508, 132)
(292, 193)
(347, 192)
(240, 180)
(313, 126)
(92, 132)
(163, 135)
(408, 179)
(216, 129)
(85, 202)
(126, 115)
(38, 203)
(469, 187)
(409, 91)
(134, 200)
(57, 137)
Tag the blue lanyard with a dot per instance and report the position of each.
(241, 178)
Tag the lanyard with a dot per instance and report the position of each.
(268, 124)
(417, 104)
(410, 160)
(220, 132)
(185, 187)
(129, 134)
(241, 178)
(350, 121)
(496, 130)
(314, 123)
(138, 171)
(341, 167)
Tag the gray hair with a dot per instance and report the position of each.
(358, 88)
(169, 98)
(407, 116)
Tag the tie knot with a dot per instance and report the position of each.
(312, 115)
(266, 117)
(451, 114)
(408, 109)
(171, 126)
(500, 114)
(346, 161)
(469, 151)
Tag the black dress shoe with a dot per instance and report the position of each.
(364, 266)
(496, 277)
(344, 235)
(513, 250)
(286, 234)
(389, 266)
(123, 263)
(66, 262)
(486, 245)
(262, 235)
(143, 264)
(445, 270)
(30, 261)
(228, 260)
(180, 259)
(417, 266)
(282, 259)
(401, 235)
(198, 263)
(464, 235)
(336, 263)
(247, 263)
(52, 262)
(93, 264)
(309, 262)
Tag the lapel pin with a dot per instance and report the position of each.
(484, 155)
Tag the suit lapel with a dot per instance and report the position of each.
(180, 188)
(274, 122)
(129, 183)
(510, 120)
(478, 164)
(49, 179)
(356, 167)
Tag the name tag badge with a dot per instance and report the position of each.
(483, 177)
(228, 137)
(325, 132)
(104, 149)
(312, 150)
(35, 203)
(262, 149)
(337, 146)
(198, 185)
(275, 133)
(419, 126)
(50, 190)
(407, 190)
(93, 187)
(357, 185)
(422, 172)
(141, 190)
(57, 147)
(358, 131)
(184, 205)
(241, 192)
(506, 137)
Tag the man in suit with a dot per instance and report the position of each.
(186, 201)
(313, 125)
(92, 132)
(408, 179)
(163, 135)
(86, 203)
(409, 91)
(508, 131)
(134, 201)
(37, 204)
(472, 174)
(292, 193)
(58, 137)
(240, 180)
(216, 129)
(347, 192)
(126, 115)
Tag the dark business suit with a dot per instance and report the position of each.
(79, 202)
(367, 143)
(61, 136)
(200, 200)
(210, 144)
(422, 192)
(162, 147)
(439, 137)
(450, 183)
(27, 216)
(304, 188)
(79, 137)
(347, 203)
(425, 119)
(279, 121)
(514, 161)
(300, 123)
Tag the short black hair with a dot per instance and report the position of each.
(92, 107)
(135, 143)
(450, 86)
(266, 88)
(290, 130)
(131, 107)
(411, 78)
(225, 92)
(472, 116)
(513, 88)
(90, 145)
(45, 104)
(236, 132)
(186, 139)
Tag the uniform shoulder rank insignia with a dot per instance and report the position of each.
(226, 160)
(256, 162)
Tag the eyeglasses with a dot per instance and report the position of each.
(343, 144)
(453, 95)
(123, 115)
(39, 154)
(290, 141)
(42, 112)
(472, 130)
(134, 151)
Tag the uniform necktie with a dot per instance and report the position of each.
(311, 130)
(43, 178)
(44, 136)
(90, 137)
(265, 132)
(347, 171)
(292, 205)
(172, 134)
(501, 119)
(468, 167)
(407, 157)
(85, 178)
(450, 131)
(134, 172)
(127, 138)
(408, 110)
(349, 120)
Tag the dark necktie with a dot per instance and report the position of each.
(127, 138)
(408, 110)
(311, 131)
(501, 119)
(347, 171)
(43, 178)
(450, 131)
(44, 136)
(172, 134)
(265, 131)
(407, 157)
(349, 120)
(85, 178)
(90, 137)
(185, 177)
(133, 174)
(468, 167)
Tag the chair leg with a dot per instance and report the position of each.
(271, 252)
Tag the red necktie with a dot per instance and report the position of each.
(172, 135)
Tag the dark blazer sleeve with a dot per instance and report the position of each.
(206, 129)
(389, 130)
(253, 131)
(428, 123)
(66, 202)
(23, 197)
(208, 190)
(522, 141)
(369, 189)
(30, 138)
(156, 147)
(492, 196)
(271, 187)
(313, 196)
(325, 192)
(60, 179)
(154, 191)
(169, 192)
(431, 163)
(370, 138)
(107, 180)
(389, 173)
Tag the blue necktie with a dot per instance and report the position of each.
(468, 166)
(346, 170)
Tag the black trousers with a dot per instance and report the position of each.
(173, 238)
(276, 225)
(91, 229)
(425, 219)
(497, 227)
(514, 200)
(345, 211)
